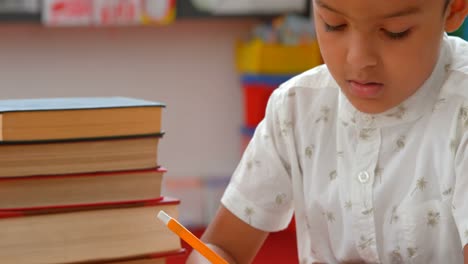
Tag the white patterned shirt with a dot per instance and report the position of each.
(383, 188)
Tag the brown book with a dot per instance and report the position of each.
(24, 193)
(93, 234)
(70, 118)
(79, 156)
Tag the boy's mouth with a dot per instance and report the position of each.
(364, 89)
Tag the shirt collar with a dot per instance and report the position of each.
(411, 109)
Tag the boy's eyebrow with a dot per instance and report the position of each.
(323, 5)
(405, 12)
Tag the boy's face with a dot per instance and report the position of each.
(380, 52)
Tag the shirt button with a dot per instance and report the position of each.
(363, 177)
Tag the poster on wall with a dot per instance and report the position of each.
(117, 12)
(67, 12)
(107, 12)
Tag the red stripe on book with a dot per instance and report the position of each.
(99, 174)
(8, 214)
(16, 212)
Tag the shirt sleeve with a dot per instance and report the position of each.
(460, 196)
(260, 191)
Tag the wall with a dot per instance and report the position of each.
(188, 65)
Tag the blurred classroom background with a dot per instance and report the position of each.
(213, 63)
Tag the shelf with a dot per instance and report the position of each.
(20, 17)
(185, 10)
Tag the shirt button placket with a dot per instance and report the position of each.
(367, 153)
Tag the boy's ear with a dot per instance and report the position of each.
(457, 11)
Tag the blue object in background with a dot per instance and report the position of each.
(248, 131)
(465, 30)
(462, 32)
(270, 80)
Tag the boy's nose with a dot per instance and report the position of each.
(361, 52)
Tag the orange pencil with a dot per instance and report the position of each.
(191, 239)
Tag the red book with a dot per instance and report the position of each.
(87, 234)
(77, 190)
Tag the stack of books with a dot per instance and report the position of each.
(80, 182)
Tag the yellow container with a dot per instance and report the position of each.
(258, 57)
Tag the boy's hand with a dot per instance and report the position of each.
(197, 258)
(234, 239)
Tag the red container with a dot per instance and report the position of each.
(255, 100)
(257, 91)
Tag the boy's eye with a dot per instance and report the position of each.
(330, 28)
(396, 35)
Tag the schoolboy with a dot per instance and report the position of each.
(369, 151)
